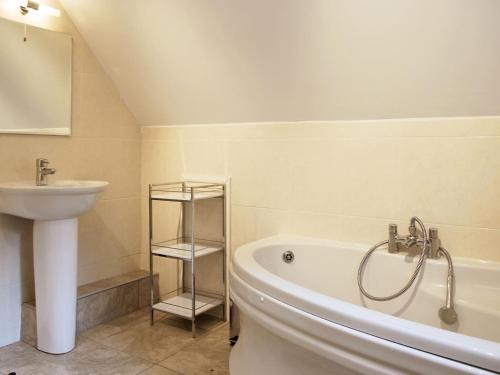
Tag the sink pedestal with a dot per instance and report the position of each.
(55, 253)
(54, 208)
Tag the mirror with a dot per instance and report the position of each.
(35, 80)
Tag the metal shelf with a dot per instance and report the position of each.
(187, 248)
(181, 305)
(184, 197)
(183, 250)
(185, 191)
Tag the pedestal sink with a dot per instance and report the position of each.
(55, 209)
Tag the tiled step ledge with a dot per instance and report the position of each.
(99, 302)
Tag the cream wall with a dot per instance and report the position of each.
(227, 61)
(346, 180)
(105, 145)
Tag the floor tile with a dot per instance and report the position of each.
(204, 321)
(192, 363)
(209, 355)
(158, 370)
(88, 357)
(20, 357)
(152, 343)
(129, 345)
(118, 325)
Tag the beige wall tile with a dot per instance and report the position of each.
(161, 162)
(470, 242)
(272, 174)
(203, 157)
(316, 172)
(460, 180)
(270, 221)
(243, 220)
(366, 230)
(242, 167)
(367, 179)
(348, 180)
(312, 224)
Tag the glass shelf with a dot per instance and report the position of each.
(182, 249)
(185, 191)
(185, 197)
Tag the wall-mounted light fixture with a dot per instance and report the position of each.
(29, 5)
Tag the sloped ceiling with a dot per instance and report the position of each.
(219, 61)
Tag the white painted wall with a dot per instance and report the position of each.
(220, 61)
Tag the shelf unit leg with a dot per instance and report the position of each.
(151, 281)
(193, 269)
(224, 254)
(180, 263)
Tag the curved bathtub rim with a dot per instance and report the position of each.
(350, 348)
(459, 347)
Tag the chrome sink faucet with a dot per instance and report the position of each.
(42, 171)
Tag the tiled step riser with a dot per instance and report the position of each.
(97, 307)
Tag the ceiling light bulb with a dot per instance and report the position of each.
(28, 5)
(49, 10)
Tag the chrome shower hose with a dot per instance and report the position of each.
(421, 260)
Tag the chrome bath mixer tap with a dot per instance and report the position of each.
(397, 243)
(430, 247)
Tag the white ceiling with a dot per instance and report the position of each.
(219, 61)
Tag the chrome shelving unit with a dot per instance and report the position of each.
(187, 302)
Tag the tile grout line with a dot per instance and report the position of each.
(198, 339)
(157, 365)
(134, 355)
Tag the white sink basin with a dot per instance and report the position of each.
(56, 201)
(55, 209)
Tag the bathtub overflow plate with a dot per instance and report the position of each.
(288, 256)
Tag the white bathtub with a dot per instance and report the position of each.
(308, 316)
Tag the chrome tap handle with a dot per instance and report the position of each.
(393, 239)
(412, 229)
(434, 242)
(41, 163)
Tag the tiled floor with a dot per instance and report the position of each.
(129, 345)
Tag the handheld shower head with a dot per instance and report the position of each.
(448, 315)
